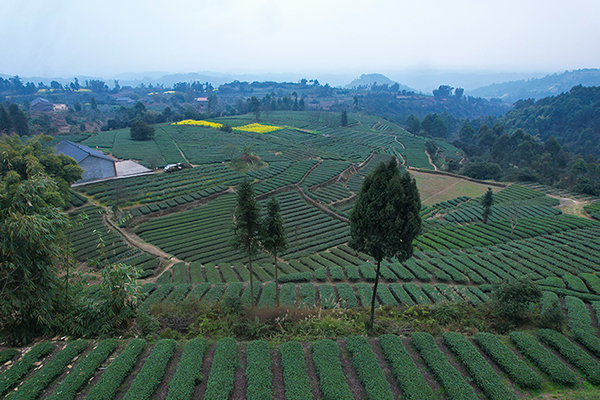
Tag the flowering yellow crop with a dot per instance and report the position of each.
(201, 123)
(258, 128)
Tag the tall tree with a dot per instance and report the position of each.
(344, 118)
(30, 227)
(486, 202)
(140, 130)
(19, 119)
(273, 236)
(255, 107)
(385, 218)
(413, 124)
(246, 227)
(5, 121)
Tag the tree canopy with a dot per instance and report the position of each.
(140, 130)
(385, 218)
(246, 226)
(273, 236)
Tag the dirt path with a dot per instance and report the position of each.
(431, 162)
(175, 144)
(135, 241)
(443, 191)
(573, 207)
(401, 144)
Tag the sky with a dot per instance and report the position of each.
(64, 38)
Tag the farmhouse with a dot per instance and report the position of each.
(95, 164)
(41, 104)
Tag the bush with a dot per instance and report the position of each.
(511, 298)
(140, 130)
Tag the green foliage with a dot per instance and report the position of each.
(454, 384)
(258, 371)
(295, 377)
(117, 371)
(84, 370)
(368, 369)
(486, 202)
(247, 226)
(573, 354)
(121, 292)
(273, 237)
(189, 370)
(140, 130)
(510, 363)
(7, 355)
(581, 324)
(385, 218)
(513, 297)
(487, 379)
(326, 356)
(544, 359)
(30, 229)
(20, 368)
(148, 379)
(408, 376)
(34, 386)
(221, 378)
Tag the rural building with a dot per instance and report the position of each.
(125, 100)
(41, 104)
(95, 164)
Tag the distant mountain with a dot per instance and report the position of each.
(379, 79)
(549, 85)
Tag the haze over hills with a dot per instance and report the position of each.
(549, 85)
(508, 87)
(379, 79)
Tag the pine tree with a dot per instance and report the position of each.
(487, 202)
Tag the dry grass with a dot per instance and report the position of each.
(437, 188)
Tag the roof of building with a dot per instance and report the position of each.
(39, 100)
(79, 151)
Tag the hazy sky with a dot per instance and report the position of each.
(62, 38)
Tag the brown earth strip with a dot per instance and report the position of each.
(429, 378)
(51, 388)
(312, 373)
(277, 370)
(389, 376)
(136, 370)
(163, 387)
(206, 364)
(98, 374)
(503, 376)
(240, 384)
(352, 379)
(455, 362)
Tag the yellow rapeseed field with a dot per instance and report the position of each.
(258, 128)
(201, 123)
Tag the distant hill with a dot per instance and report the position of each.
(379, 79)
(571, 117)
(550, 85)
